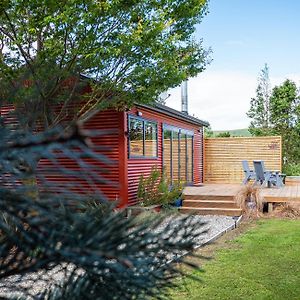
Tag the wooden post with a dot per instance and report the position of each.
(270, 207)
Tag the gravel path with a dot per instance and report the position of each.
(214, 225)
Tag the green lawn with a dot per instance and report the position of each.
(263, 263)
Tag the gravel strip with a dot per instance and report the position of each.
(214, 225)
(213, 228)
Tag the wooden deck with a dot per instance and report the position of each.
(284, 194)
(219, 198)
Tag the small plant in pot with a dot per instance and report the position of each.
(249, 199)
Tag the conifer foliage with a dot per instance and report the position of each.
(277, 112)
(259, 111)
(62, 245)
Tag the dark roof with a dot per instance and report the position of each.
(175, 113)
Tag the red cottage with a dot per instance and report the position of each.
(135, 141)
(145, 137)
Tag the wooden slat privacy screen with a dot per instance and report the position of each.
(223, 156)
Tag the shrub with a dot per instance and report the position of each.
(287, 210)
(157, 189)
(249, 200)
(292, 169)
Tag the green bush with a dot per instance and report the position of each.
(157, 189)
(292, 169)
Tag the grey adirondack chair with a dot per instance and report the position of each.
(249, 174)
(264, 177)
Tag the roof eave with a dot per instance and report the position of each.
(175, 113)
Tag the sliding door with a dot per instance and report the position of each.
(178, 154)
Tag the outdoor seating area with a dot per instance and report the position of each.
(219, 198)
(262, 176)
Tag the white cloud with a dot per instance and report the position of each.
(222, 97)
(279, 80)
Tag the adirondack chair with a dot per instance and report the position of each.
(265, 177)
(249, 174)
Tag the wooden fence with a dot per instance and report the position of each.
(223, 156)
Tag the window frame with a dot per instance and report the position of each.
(186, 133)
(143, 120)
(192, 158)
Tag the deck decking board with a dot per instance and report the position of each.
(218, 191)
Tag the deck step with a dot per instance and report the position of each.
(211, 211)
(208, 197)
(210, 203)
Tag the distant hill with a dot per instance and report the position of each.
(235, 132)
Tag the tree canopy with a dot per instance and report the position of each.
(133, 51)
(259, 111)
(277, 112)
(56, 243)
(285, 118)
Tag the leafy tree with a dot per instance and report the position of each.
(56, 244)
(285, 118)
(133, 51)
(259, 111)
(278, 112)
(208, 132)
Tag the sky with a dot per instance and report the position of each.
(243, 35)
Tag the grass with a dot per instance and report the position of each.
(262, 263)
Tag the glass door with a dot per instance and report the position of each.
(178, 154)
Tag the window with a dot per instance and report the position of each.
(136, 129)
(167, 135)
(178, 153)
(175, 155)
(142, 138)
(183, 157)
(189, 148)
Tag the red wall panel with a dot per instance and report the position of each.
(109, 124)
(106, 133)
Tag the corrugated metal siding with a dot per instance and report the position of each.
(6, 112)
(107, 124)
(11, 121)
(137, 166)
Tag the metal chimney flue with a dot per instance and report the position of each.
(184, 97)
